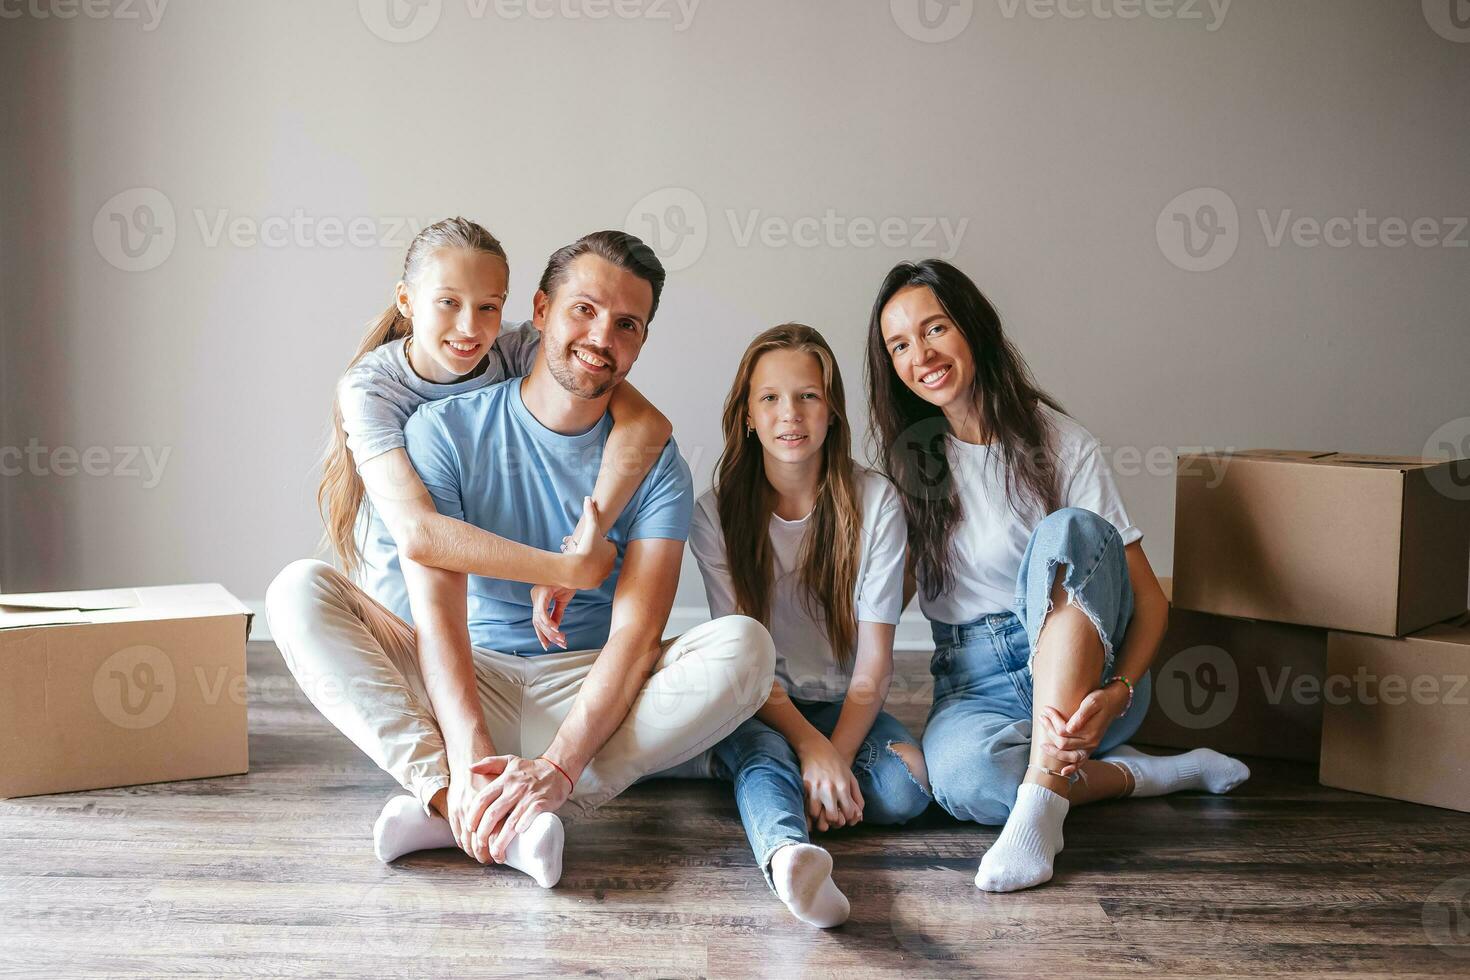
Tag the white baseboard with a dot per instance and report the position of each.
(913, 628)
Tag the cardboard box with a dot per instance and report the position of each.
(119, 687)
(1397, 715)
(1238, 686)
(1371, 544)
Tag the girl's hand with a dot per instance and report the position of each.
(548, 605)
(832, 796)
(591, 555)
(1071, 741)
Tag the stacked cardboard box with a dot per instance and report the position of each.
(1316, 598)
(123, 686)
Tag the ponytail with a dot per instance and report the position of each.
(341, 498)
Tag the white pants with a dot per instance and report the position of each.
(358, 663)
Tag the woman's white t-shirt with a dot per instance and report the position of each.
(991, 538)
(805, 663)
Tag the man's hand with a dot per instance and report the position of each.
(516, 790)
(833, 799)
(466, 804)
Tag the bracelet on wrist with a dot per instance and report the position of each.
(570, 784)
(1126, 683)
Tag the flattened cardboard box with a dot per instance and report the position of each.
(122, 686)
(1397, 716)
(1371, 544)
(1239, 686)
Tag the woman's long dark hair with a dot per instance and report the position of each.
(911, 433)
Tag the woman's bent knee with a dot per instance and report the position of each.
(1076, 524)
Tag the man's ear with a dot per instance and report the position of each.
(540, 306)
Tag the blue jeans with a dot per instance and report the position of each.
(978, 739)
(767, 777)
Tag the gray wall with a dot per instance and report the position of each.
(1058, 141)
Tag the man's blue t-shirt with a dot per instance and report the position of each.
(486, 460)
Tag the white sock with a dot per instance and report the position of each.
(802, 874)
(1201, 769)
(537, 849)
(1022, 855)
(403, 827)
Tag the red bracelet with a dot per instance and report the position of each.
(570, 784)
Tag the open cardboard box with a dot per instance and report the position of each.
(121, 686)
(1371, 544)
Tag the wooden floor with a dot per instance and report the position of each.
(272, 873)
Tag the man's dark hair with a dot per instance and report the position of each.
(618, 247)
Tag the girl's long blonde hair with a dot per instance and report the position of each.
(341, 497)
(832, 550)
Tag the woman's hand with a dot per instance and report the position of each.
(833, 799)
(1071, 741)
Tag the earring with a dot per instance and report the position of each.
(749, 430)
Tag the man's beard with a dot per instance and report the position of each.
(565, 373)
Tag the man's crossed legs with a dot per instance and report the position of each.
(357, 662)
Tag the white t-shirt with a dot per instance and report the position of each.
(805, 663)
(379, 392)
(990, 539)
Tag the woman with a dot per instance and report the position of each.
(794, 535)
(1015, 524)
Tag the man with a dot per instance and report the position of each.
(492, 734)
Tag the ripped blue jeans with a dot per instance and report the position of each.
(767, 777)
(978, 738)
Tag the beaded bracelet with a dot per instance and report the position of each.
(1127, 683)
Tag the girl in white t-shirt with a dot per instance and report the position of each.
(1015, 523)
(793, 534)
